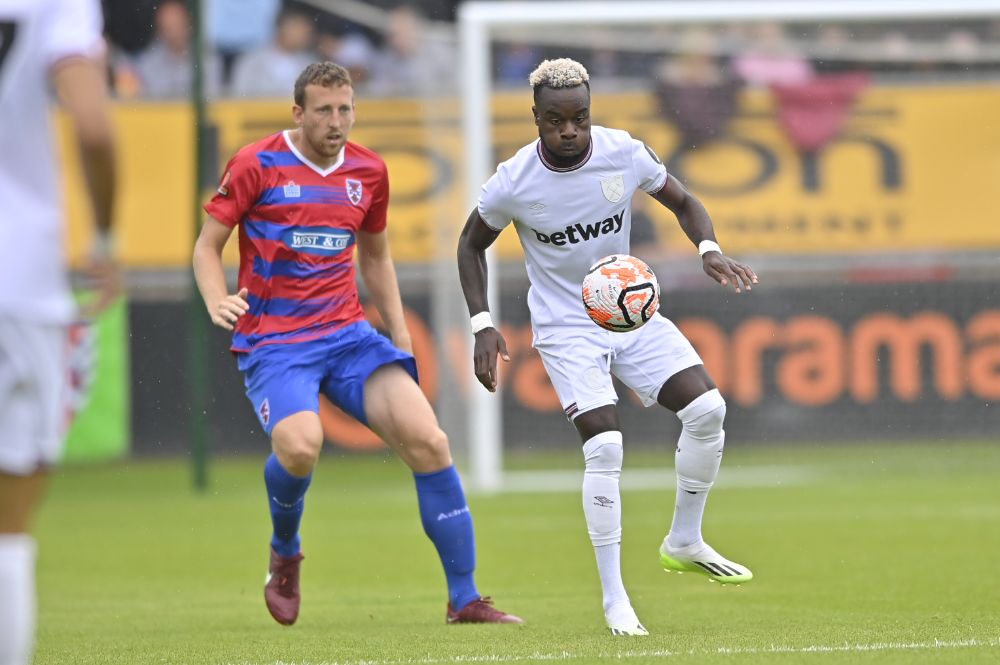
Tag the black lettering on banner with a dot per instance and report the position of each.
(8, 32)
(766, 168)
(887, 158)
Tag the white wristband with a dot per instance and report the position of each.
(481, 321)
(706, 246)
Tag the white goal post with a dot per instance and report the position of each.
(477, 20)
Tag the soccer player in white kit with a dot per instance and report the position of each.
(45, 45)
(568, 195)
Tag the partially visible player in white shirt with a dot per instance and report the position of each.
(568, 195)
(46, 46)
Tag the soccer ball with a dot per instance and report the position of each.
(620, 293)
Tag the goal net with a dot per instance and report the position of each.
(846, 149)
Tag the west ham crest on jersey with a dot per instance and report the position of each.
(354, 191)
(613, 188)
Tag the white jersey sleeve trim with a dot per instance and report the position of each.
(488, 225)
(649, 170)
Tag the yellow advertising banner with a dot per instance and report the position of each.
(913, 168)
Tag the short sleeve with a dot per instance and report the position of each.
(376, 219)
(238, 190)
(650, 171)
(494, 202)
(72, 29)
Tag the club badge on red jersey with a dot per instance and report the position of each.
(354, 191)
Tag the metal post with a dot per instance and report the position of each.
(197, 379)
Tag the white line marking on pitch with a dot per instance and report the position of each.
(625, 655)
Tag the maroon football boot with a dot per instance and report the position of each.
(480, 610)
(281, 591)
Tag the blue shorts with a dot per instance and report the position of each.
(282, 379)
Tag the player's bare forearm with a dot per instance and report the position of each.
(379, 275)
(210, 276)
(82, 89)
(472, 272)
(697, 225)
(100, 170)
(489, 342)
(691, 213)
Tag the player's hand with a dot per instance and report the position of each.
(102, 277)
(726, 271)
(229, 309)
(402, 341)
(489, 344)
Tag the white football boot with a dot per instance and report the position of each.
(702, 559)
(622, 621)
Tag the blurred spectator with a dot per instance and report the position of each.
(237, 26)
(962, 47)
(128, 23)
(347, 46)
(605, 60)
(770, 60)
(515, 61)
(435, 10)
(833, 49)
(266, 71)
(124, 77)
(164, 68)
(410, 63)
(695, 90)
(898, 48)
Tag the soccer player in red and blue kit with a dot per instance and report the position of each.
(304, 200)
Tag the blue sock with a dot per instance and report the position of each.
(448, 523)
(286, 498)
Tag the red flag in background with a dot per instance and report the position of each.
(812, 113)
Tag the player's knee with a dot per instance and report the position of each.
(603, 453)
(428, 451)
(299, 460)
(298, 451)
(704, 417)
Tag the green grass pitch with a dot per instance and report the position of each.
(862, 554)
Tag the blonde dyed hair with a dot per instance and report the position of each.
(559, 73)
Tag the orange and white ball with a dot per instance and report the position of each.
(620, 293)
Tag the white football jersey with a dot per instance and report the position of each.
(567, 219)
(34, 36)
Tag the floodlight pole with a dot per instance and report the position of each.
(197, 376)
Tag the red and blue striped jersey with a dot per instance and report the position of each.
(297, 229)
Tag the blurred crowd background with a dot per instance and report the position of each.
(392, 47)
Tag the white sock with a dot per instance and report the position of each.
(17, 598)
(609, 567)
(699, 454)
(603, 511)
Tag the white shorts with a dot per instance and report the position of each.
(34, 386)
(580, 362)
